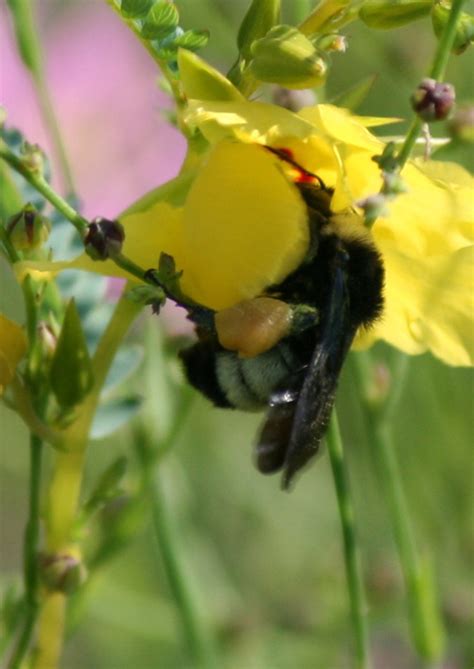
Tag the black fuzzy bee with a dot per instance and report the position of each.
(340, 285)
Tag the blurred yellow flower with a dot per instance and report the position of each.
(12, 349)
(239, 224)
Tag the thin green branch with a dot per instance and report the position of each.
(29, 47)
(43, 187)
(198, 643)
(351, 551)
(425, 622)
(30, 556)
(79, 222)
(437, 72)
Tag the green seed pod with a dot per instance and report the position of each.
(387, 14)
(28, 230)
(464, 28)
(261, 16)
(288, 58)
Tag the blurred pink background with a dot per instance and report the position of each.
(104, 89)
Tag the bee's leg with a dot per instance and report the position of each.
(304, 317)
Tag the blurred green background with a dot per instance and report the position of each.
(266, 567)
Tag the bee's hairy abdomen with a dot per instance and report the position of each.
(231, 381)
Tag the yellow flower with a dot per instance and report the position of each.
(12, 350)
(236, 223)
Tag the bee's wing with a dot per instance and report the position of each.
(276, 431)
(313, 406)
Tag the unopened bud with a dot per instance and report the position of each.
(104, 239)
(33, 158)
(332, 43)
(62, 572)
(462, 123)
(47, 339)
(433, 100)
(28, 230)
(293, 100)
(286, 57)
(388, 14)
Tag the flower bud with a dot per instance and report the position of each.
(261, 16)
(62, 572)
(33, 158)
(332, 43)
(286, 57)
(104, 239)
(462, 123)
(28, 230)
(464, 35)
(433, 100)
(47, 339)
(293, 100)
(387, 14)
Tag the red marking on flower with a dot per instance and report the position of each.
(302, 175)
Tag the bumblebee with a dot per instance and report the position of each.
(283, 351)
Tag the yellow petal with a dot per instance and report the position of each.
(341, 126)
(245, 226)
(429, 305)
(12, 349)
(246, 121)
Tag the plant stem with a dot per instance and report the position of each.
(437, 72)
(43, 187)
(425, 623)
(351, 551)
(30, 50)
(30, 555)
(64, 489)
(197, 641)
(79, 222)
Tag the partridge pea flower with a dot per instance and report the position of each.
(235, 222)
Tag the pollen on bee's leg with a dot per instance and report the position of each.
(253, 326)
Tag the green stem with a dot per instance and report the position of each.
(43, 187)
(351, 551)
(425, 623)
(30, 555)
(79, 222)
(196, 639)
(29, 46)
(437, 72)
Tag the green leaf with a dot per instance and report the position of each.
(135, 8)
(113, 415)
(160, 21)
(261, 16)
(192, 39)
(387, 14)
(354, 96)
(71, 374)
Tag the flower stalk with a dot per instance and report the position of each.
(64, 489)
(437, 72)
(425, 622)
(351, 550)
(29, 47)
